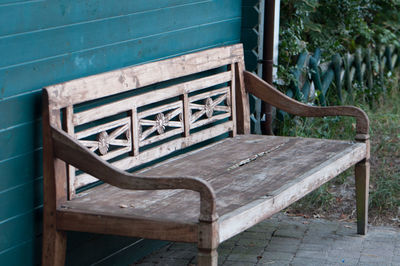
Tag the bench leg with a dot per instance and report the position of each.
(54, 247)
(208, 244)
(362, 189)
(207, 257)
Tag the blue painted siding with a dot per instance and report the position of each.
(43, 42)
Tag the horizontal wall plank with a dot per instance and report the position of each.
(20, 140)
(20, 229)
(21, 199)
(21, 109)
(34, 76)
(39, 15)
(25, 253)
(129, 254)
(53, 42)
(21, 170)
(80, 248)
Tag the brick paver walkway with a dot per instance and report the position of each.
(284, 240)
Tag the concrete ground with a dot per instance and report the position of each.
(283, 240)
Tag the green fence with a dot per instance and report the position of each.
(343, 77)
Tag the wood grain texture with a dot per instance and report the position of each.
(242, 101)
(54, 192)
(362, 174)
(160, 151)
(127, 226)
(110, 83)
(269, 94)
(120, 106)
(240, 184)
(70, 151)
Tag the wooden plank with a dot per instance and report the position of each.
(135, 132)
(242, 101)
(55, 190)
(115, 28)
(20, 140)
(186, 115)
(208, 94)
(68, 126)
(160, 151)
(36, 74)
(166, 135)
(16, 107)
(231, 101)
(246, 216)
(107, 126)
(118, 81)
(210, 120)
(116, 153)
(12, 173)
(159, 109)
(127, 226)
(150, 97)
(80, 12)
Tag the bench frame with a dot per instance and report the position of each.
(61, 150)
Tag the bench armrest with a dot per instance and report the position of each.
(269, 94)
(71, 151)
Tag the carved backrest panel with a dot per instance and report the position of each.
(124, 120)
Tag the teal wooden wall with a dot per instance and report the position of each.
(43, 42)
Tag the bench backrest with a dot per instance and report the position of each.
(137, 114)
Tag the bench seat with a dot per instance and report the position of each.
(247, 173)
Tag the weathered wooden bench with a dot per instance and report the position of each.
(95, 128)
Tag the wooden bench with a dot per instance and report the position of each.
(95, 128)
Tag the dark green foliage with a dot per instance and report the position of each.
(335, 26)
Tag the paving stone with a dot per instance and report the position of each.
(377, 252)
(396, 260)
(311, 254)
(165, 262)
(263, 227)
(316, 247)
(355, 246)
(249, 250)
(229, 243)
(294, 241)
(285, 241)
(371, 244)
(334, 255)
(183, 254)
(307, 262)
(274, 263)
(273, 256)
(252, 242)
(256, 235)
(373, 258)
(282, 247)
(237, 263)
(343, 261)
(243, 257)
(374, 264)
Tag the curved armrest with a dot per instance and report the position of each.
(71, 151)
(269, 94)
